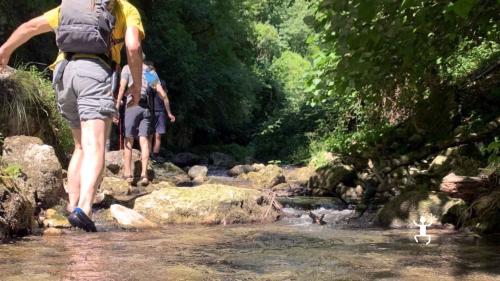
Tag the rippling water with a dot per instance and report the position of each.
(252, 252)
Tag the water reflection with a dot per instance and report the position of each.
(253, 252)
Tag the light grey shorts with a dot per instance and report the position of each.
(84, 91)
(137, 122)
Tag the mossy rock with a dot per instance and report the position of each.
(205, 204)
(16, 212)
(409, 206)
(266, 178)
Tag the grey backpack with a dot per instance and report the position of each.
(85, 26)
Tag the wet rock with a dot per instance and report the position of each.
(186, 159)
(326, 179)
(409, 206)
(129, 218)
(171, 173)
(222, 160)
(16, 212)
(114, 186)
(198, 173)
(52, 231)
(206, 204)
(55, 219)
(266, 178)
(349, 194)
(43, 182)
(286, 189)
(241, 169)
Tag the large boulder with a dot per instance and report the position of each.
(327, 179)
(43, 184)
(409, 206)
(220, 159)
(206, 204)
(186, 159)
(16, 212)
(266, 178)
(170, 173)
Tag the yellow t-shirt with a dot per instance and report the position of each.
(126, 15)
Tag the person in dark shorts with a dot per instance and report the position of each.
(138, 120)
(161, 110)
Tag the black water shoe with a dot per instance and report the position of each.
(79, 219)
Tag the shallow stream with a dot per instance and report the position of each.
(293, 249)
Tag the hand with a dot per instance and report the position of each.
(171, 117)
(135, 92)
(4, 58)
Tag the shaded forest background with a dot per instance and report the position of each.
(289, 79)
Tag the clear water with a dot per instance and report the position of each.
(284, 251)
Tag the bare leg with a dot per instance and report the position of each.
(93, 145)
(74, 171)
(157, 146)
(144, 142)
(127, 157)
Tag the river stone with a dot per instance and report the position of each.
(409, 206)
(129, 218)
(56, 219)
(461, 160)
(114, 162)
(198, 172)
(52, 231)
(205, 204)
(327, 178)
(16, 212)
(170, 173)
(43, 184)
(299, 176)
(258, 166)
(186, 159)
(220, 159)
(240, 169)
(266, 178)
(114, 186)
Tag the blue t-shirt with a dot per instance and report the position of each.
(149, 79)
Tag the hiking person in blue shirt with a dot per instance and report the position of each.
(138, 120)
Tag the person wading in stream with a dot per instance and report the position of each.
(139, 120)
(90, 35)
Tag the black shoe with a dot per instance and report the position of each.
(79, 219)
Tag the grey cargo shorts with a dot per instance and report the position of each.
(84, 91)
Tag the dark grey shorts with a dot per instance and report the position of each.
(160, 122)
(84, 92)
(137, 122)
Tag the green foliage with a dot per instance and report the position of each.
(28, 107)
(11, 171)
(290, 69)
(493, 151)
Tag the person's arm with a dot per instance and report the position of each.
(134, 57)
(121, 92)
(21, 35)
(166, 102)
